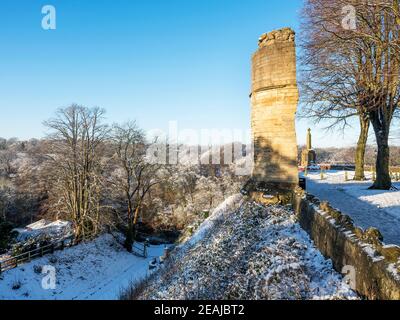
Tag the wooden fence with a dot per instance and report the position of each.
(140, 251)
(14, 261)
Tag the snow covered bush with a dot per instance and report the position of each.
(184, 199)
(29, 245)
(16, 285)
(37, 269)
(6, 235)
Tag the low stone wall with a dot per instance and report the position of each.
(377, 266)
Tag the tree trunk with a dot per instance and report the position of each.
(361, 145)
(129, 237)
(135, 220)
(383, 180)
(381, 129)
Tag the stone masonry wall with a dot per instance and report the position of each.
(377, 266)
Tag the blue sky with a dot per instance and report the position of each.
(149, 60)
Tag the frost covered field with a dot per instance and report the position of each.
(368, 208)
(93, 270)
(246, 251)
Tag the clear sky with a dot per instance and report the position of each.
(151, 60)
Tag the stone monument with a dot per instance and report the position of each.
(308, 155)
(274, 98)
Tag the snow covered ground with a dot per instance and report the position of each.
(92, 270)
(368, 208)
(247, 251)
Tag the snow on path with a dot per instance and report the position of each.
(96, 270)
(368, 208)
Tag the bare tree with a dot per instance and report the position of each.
(354, 69)
(6, 159)
(380, 30)
(77, 136)
(328, 84)
(5, 202)
(3, 144)
(137, 176)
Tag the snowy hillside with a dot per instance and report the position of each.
(251, 252)
(93, 270)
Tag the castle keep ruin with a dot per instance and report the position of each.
(274, 98)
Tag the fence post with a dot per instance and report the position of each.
(145, 248)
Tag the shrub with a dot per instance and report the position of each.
(6, 235)
(16, 285)
(37, 269)
(29, 245)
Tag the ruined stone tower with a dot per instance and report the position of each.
(274, 98)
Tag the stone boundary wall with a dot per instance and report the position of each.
(376, 265)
